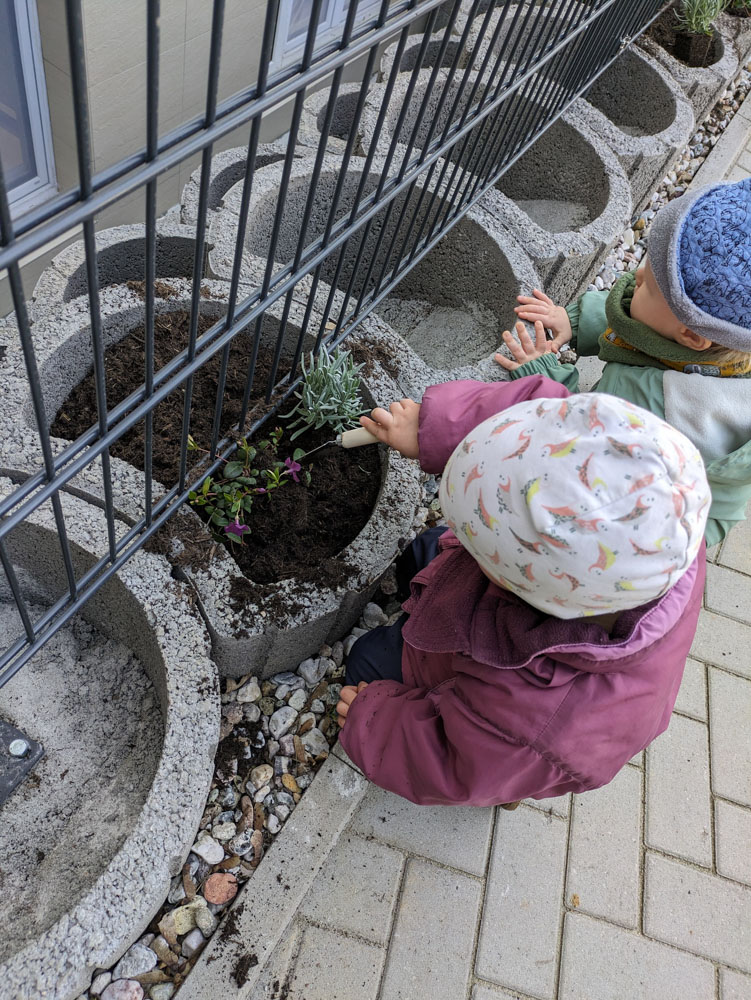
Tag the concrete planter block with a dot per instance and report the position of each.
(422, 111)
(444, 12)
(646, 135)
(252, 633)
(430, 58)
(314, 113)
(739, 29)
(449, 310)
(245, 636)
(703, 85)
(227, 168)
(566, 199)
(121, 257)
(96, 893)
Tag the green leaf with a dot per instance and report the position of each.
(233, 469)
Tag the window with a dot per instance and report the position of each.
(25, 141)
(294, 18)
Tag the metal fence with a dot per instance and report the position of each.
(519, 74)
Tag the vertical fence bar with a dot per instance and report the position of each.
(152, 143)
(215, 50)
(83, 150)
(272, 13)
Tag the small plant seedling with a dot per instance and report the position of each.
(329, 395)
(227, 499)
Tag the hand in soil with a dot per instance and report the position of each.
(396, 427)
(346, 696)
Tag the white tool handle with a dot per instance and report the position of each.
(356, 438)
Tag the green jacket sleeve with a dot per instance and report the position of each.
(588, 322)
(551, 367)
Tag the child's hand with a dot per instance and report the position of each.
(524, 349)
(396, 427)
(555, 318)
(346, 696)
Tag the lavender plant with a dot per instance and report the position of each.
(329, 394)
(227, 499)
(697, 16)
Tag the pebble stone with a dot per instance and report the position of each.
(192, 943)
(249, 692)
(223, 831)
(297, 699)
(373, 615)
(315, 742)
(282, 721)
(162, 991)
(100, 982)
(135, 962)
(220, 887)
(261, 775)
(123, 989)
(208, 849)
(313, 670)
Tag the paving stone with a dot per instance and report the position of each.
(734, 986)
(602, 962)
(692, 694)
(447, 834)
(638, 759)
(518, 943)
(723, 642)
(356, 862)
(276, 973)
(728, 592)
(330, 966)
(730, 736)
(433, 934)
(736, 549)
(733, 833)
(702, 913)
(679, 805)
(558, 806)
(482, 992)
(604, 851)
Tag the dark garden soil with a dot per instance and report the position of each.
(295, 531)
(664, 31)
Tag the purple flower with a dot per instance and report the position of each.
(235, 528)
(293, 468)
(261, 489)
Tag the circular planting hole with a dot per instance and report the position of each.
(126, 261)
(89, 700)
(560, 182)
(227, 178)
(629, 74)
(344, 114)
(663, 30)
(295, 530)
(446, 307)
(432, 56)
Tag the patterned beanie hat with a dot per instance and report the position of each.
(700, 253)
(580, 506)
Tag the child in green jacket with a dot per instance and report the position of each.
(675, 336)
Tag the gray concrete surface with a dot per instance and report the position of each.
(162, 663)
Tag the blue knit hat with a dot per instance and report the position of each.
(700, 253)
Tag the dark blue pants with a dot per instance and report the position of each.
(378, 655)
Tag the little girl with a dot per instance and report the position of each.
(544, 642)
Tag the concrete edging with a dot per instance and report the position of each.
(148, 610)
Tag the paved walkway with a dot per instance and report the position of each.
(638, 891)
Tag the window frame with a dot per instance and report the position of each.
(287, 54)
(39, 188)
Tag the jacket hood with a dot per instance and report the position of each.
(463, 612)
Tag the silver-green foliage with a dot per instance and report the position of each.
(329, 394)
(697, 16)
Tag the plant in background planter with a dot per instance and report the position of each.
(738, 8)
(696, 30)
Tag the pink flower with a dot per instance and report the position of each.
(235, 528)
(293, 468)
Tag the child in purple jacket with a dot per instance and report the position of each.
(547, 630)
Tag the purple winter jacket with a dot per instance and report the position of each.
(500, 701)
